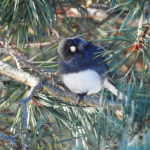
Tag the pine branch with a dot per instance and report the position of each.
(32, 81)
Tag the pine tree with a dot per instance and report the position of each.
(47, 116)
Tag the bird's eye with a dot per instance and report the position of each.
(73, 49)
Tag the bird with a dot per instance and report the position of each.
(81, 70)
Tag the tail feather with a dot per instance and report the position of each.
(114, 90)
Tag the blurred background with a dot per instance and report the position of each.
(33, 30)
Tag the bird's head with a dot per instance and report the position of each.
(71, 47)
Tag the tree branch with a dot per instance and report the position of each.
(32, 81)
(18, 75)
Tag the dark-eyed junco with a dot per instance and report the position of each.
(81, 70)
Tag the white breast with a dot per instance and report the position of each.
(87, 81)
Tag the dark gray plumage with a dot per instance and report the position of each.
(80, 68)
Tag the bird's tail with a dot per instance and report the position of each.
(113, 90)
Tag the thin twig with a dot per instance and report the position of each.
(23, 134)
(19, 59)
(42, 44)
(10, 139)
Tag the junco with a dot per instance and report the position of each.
(81, 70)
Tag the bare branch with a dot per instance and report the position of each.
(32, 81)
(23, 134)
(40, 45)
(18, 75)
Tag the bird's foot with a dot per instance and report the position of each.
(81, 97)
